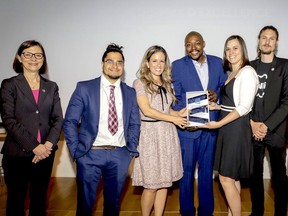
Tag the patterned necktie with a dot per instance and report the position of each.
(112, 115)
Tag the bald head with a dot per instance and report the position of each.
(193, 33)
(194, 46)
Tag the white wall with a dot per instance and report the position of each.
(76, 33)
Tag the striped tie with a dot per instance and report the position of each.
(112, 115)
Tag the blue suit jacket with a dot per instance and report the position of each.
(185, 78)
(84, 108)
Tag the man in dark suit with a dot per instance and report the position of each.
(99, 150)
(268, 122)
(197, 71)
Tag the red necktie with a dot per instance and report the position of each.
(112, 115)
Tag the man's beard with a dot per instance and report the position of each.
(263, 52)
(266, 52)
(112, 77)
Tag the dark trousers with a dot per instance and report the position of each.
(277, 154)
(112, 166)
(21, 174)
(201, 151)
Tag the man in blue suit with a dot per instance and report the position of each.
(100, 151)
(197, 71)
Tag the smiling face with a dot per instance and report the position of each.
(30, 63)
(234, 53)
(156, 64)
(194, 47)
(113, 66)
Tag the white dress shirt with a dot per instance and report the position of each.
(202, 71)
(104, 137)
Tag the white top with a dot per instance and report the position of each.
(202, 71)
(104, 137)
(244, 90)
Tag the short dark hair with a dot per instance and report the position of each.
(113, 48)
(193, 33)
(17, 65)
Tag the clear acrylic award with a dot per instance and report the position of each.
(197, 104)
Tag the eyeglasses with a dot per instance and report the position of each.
(29, 55)
(111, 62)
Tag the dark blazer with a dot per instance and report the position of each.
(275, 100)
(22, 117)
(84, 107)
(185, 78)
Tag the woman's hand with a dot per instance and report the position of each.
(35, 159)
(41, 152)
(180, 121)
(211, 125)
(40, 149)
(48, 145)
(214, 106)
(182, 112)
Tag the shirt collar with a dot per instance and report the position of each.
(205, 61)
(105, 83)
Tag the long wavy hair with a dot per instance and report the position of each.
(144, 73)
(259, 35)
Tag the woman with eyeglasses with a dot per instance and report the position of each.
(32, 116)
(159, 163)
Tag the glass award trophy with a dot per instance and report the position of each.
(197, 107)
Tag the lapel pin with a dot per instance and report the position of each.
(272, 69)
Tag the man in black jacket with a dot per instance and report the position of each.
(268, 122)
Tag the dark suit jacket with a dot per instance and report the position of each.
(275, 100)
(22, 117)
(84, 107)
(185, 78)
